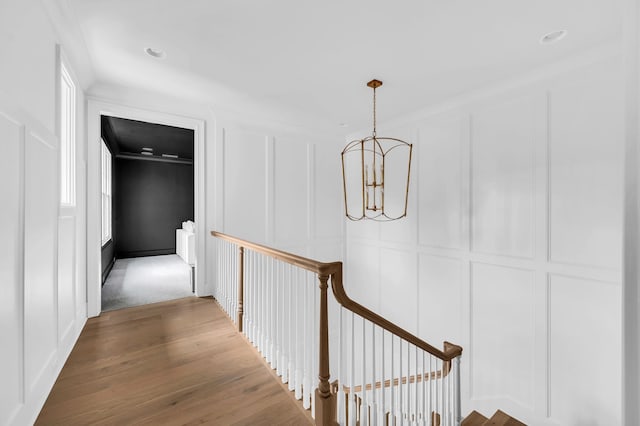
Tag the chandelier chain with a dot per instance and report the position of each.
(374, 112)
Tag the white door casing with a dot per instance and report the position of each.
(95, 108)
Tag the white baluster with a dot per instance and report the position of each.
(230, 281)
(273, 314)
(399, 388)
(447, 399)
(284, 330)
(439, 386)
(458, 416)
(224, 283)
(269, 318)
(431, 388)
(352, 393)
(315, 328)
(284, 335)
(363, 380)
(408, 387)
(225, 301)
(293, 338)
(253, 297)
(262, 284)
(277, 314)
(383, 406)
(416, 406)
(246, 316)
(299, 325)
(217, 286)
(306, 403)
(254, 290)
(393, 405)
(342, 418)
(423, 387)
(374, 390)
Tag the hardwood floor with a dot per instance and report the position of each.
(177, 362)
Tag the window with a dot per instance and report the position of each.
(67, 137)
(106, 193)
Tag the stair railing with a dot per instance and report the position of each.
(385, 375)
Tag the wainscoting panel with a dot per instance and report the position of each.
(584, 360)
(329, 212)
(585, 149)
(440, 174)
(66, 276)
(502, 178)
(41, 212)
(440, 281)
(362, 280)
(398, 288)
(245, 185)
(11, 272)
(402, 231)
(290, 198)
(502, 333)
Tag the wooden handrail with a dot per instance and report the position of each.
(334, 270)
(450, 351)
(311, 265)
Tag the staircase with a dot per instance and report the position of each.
(500, 418)
(382, 374)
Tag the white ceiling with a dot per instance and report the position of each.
(313, 59)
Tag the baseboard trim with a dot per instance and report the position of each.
(107, 271)
(144, 253)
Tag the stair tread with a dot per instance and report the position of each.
(500, 418)
(474, 419)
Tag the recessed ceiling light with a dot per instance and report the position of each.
(146, 153)
(170, 155)
(147, 149)
(553, 37)
(156, 53)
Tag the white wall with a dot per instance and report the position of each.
(42, 275)
(512, 244)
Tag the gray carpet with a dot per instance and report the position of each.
(143, 280)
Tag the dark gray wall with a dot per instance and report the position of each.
(152, 199)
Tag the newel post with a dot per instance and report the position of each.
(325, 399)
(240, 286)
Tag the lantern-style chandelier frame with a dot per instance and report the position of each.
(368, 176)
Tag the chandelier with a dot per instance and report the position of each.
(375, 174)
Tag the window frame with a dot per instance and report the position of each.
(67, 122)
(106, 162)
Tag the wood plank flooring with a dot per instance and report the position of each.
(178, 362)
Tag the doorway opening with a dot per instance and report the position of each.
(147, 212)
